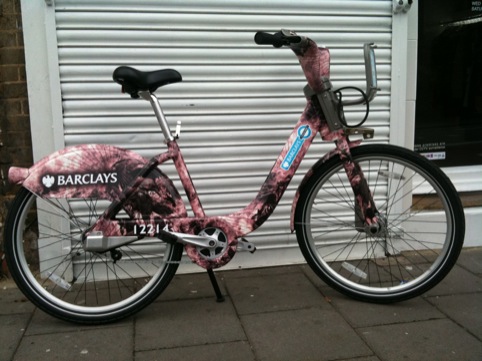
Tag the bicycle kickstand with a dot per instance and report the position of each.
(214, 282)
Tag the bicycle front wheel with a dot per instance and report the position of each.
(45, 256)
(421, 225)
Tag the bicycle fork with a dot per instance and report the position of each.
(367, 217)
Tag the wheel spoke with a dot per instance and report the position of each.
(417, 227)
(69, 282)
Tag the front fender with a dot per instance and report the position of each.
(102, 172)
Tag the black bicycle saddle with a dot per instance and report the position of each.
(133, 80)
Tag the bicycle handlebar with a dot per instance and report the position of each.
(283, 37)
(296, 43)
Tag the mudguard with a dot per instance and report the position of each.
(102, 172)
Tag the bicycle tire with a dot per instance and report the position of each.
(46, 259)
(423, 236)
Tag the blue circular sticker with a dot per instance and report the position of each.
(304, 132)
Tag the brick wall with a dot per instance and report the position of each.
(15, 139)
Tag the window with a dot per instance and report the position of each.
(448, 126)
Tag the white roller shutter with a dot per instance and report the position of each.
(238, 101)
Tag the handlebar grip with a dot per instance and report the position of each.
(262, 38)
(283, 37)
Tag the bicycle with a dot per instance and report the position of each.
(97, 232)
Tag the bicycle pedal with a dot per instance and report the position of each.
(244, 245)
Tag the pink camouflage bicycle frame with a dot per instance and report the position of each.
(137, 187)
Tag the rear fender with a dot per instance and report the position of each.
(102, 172)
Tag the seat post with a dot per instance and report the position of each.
(166, 131)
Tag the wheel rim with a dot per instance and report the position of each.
(54, 266)
(417, 237)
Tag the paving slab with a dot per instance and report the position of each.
(187, 323)
(95, 344)
(42, 323)
(268, 293)
(471, 260)
(307, 334)
(459, 280)
(427, 340)
(316, 281)
(232, 351)
(364, 314)
(191, 286)
(11, 333)
(464, 309)
(13, 300)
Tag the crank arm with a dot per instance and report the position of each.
(185, 238)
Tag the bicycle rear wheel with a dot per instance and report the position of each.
(421, 234)
(46, 259)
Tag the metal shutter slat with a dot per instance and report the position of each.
(238, 101)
